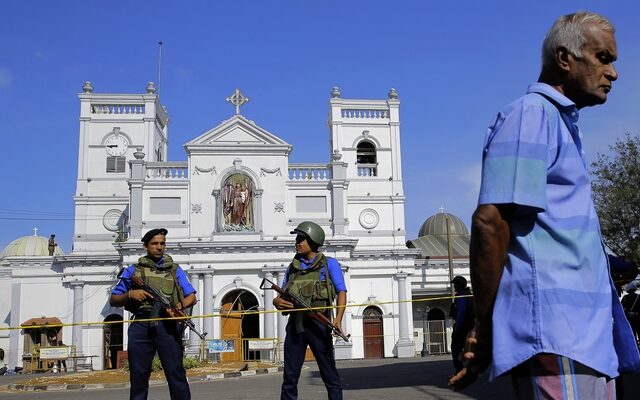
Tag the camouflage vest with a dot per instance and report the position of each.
(306, 284)
(162, 277)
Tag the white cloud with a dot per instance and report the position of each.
(6, 78)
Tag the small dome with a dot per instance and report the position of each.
(30, 246)
(437, 225)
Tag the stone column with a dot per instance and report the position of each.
(76, 333)
(269, 317)
(136, 184)
(207, 300)
(257, 222)
(343, 350)
(404, 346)
(282, 320)
(194, 341)
(339, 185)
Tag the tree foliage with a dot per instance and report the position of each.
(616, 192)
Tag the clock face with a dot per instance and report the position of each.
(116, 145)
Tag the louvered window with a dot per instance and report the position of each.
(116, 164)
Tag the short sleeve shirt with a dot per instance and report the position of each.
(556, 294)
(335, 273)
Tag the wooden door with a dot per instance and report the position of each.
(373, 333)
(231, 322)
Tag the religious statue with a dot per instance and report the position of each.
(237, 203)
(52, 245)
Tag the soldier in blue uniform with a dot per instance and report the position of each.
(318, 280)
(157, 270)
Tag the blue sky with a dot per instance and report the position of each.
(455, 64)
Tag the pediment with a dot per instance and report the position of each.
(237, 131)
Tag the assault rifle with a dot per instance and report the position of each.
(298, 302)
(159, 297)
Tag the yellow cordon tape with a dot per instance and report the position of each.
(8, 328)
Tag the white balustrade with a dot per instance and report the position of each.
(364, 113)
(311, 172)
(167, 171)
(117, 108)
(366, 170)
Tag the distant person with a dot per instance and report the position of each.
(52, 245)
(546, 309)
(463, 315)
(631, 307)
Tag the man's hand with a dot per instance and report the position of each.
(139, 295)
(175, 312)
(337, 322)
(476, 357)
(282, 304)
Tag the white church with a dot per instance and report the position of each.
(229, 209)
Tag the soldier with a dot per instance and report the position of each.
(158, 270)
(318, 280)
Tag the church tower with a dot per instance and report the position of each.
(365, 135)
(112, 128)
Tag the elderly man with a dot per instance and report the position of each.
(546, 309)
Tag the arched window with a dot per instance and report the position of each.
(366, 160)
(237, 204)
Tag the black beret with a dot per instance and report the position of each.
(149, 235)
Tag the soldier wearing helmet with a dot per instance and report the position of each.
(318, 279)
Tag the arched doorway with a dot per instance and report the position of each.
(112, 341)
(373, 333)
(236, 325)
(435, 314)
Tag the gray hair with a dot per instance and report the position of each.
(568, 31)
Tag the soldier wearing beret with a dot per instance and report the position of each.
(157, 270)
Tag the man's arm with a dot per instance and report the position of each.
(341, 303)
(488, 255)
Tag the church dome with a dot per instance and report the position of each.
(30, 246)
(437, 225)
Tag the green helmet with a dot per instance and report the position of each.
(311, 230)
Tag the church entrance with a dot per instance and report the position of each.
(236, 325)
(373, 333)
(112, 341)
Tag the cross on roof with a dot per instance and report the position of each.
(35, 231)
(238, 100)
(441, 209)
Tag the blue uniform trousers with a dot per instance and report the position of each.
(144, 340)
(318, 338)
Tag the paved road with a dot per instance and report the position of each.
(389, 379)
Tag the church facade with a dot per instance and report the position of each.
(229, 209)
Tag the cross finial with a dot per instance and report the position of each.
(441, 209)
(238, 100)
(35, 231)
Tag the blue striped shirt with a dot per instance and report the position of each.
(556, 294)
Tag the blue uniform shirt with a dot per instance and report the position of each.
(335, 273)
(556, 294)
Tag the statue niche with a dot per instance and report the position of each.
(237, 204)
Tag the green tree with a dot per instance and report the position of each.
(616, 192)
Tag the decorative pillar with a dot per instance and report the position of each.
(343, 350)
(217, 210)
(194, 341)
(282, 320)
(136, 183)
(76, 333)
(338, 185)
(15, 355)
(257, 193)
(207, 300)
(269, 328)
(404, 346)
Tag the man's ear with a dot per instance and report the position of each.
(562, 58)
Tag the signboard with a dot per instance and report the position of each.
(261, 344)
(54, 353)
(221, 345)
